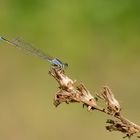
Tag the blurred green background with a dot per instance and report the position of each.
(101, 42)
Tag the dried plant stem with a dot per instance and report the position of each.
(70, 92)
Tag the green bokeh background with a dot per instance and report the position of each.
(101, 42)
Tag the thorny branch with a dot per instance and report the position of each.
(69, 92)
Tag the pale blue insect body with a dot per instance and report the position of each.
(20, 44)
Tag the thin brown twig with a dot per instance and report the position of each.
(69, 92)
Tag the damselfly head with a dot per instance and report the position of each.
(66, 65)
(1, 38)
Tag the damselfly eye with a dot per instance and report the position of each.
(66, 64)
